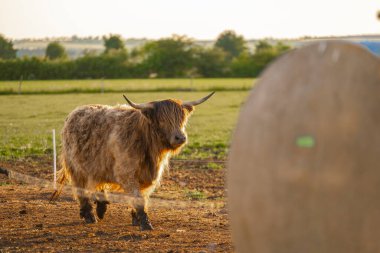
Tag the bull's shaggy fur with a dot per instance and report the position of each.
(121, 146)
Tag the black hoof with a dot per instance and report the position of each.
(89, 218)
(145, 223)
(87, 214)
(101, 208)
(142, 219)
(146, 226)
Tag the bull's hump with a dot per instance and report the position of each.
(94, 107)
(98, 107)
(95, 115)
(89, 110)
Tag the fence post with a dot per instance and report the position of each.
(102, 85)
(19, 84)
(54, 161)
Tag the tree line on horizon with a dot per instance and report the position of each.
(172, 57)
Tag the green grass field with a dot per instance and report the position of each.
(26, 121)
(124, 85)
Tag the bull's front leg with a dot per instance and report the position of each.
(139, 215)
(85, 211)
(143, 219)
(135, 219)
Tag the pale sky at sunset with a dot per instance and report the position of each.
(200, 19)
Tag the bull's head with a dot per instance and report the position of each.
(169, 118)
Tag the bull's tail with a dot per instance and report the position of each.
(62, 179)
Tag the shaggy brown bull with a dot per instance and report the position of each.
(128, 146)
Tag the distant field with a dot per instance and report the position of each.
(125, 85)
(26, 120)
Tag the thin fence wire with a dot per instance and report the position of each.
(109, 196)
(42, 141)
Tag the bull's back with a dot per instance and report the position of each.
(85, 133)
(92, 137)
(83, 123)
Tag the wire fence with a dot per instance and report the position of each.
(45, 165)
(106, 196)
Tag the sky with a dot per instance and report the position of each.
(198, 19)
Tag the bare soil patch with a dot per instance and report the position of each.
(29, 223)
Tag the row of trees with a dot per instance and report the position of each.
(177, 56)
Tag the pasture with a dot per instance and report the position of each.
(195, 179)
(125, 85)
(26, 120)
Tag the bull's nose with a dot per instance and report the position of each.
(180, 138)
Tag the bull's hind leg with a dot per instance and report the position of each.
(101, 207)
(85, 206)
(86, 210)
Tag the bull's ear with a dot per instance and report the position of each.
(188, 108)
(148, 112)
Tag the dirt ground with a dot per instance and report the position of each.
(191, 216)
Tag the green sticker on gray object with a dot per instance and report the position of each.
(305, 141)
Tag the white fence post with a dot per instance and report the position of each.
(54, 161)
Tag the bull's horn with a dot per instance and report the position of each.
(199, 101)
(137, 106)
